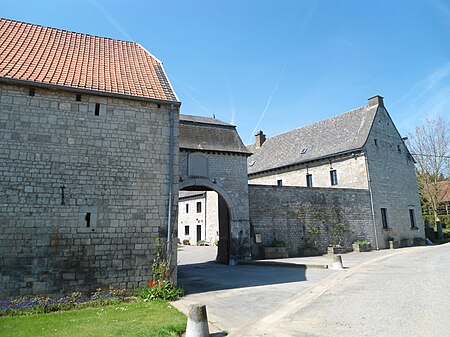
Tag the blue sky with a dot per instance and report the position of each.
(280, 64)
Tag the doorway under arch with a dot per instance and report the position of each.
(223, 210)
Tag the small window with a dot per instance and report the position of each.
(87, 217)
(187, 208)
(304, 150)
(186, 230)
(280, 182)
(333, 177)
(32, 92)
(399, 149)
(97, 109)
(199, 207)
(412, 219)
(384, 219)
(309, 182)
(78, 98)
(376, 142)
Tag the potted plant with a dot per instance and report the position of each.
(339, 231)
(361, 246)
(277, 250)
(392, 244)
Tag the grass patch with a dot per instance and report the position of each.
(153, 318)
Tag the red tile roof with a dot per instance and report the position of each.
(58, 57)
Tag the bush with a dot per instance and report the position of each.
(160, 290)
(430, 234)
(278, 243)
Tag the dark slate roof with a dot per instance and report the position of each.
(332, 136)
(209, 134)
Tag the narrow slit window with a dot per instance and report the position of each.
(97, 109)
(87, 217)
(32, 92)
(384, 218)
(186, 230)
(412, 219)
(187, 208)
(199, 207)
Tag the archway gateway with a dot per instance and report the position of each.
(204, 218)
(212, 157)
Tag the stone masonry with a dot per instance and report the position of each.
(83, 198)
(290, 213)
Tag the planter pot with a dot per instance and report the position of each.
(393, 244)
(275, 252)
(419, 242)
(309, 251)
(404, 243)
(362, 248)
(336, 250)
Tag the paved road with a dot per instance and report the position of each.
(237, 295)
(405, 293)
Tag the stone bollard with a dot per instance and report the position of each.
(337, 262)
(197, 324)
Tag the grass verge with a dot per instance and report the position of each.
(152, 318)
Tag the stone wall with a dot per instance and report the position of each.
(83, 197)
(212, 217)
(305, 217)
(393, 182)
(350, 170)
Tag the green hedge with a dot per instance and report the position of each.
(445, 220)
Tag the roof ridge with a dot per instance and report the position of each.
(320, 121)
(71, 31)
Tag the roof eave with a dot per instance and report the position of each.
(246, 154)
(9, 80)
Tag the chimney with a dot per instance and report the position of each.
(376, 100)
(260, 139)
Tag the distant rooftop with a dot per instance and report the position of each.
(57, 57)
(339, 134)
(209, 134)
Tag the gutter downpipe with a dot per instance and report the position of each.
(170, 201)
(369, 181)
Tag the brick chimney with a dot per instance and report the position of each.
(260, 139)
(376, 100)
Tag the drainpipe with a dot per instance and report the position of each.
(169, 208)
(369, 181)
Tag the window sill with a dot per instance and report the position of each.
(414, 228)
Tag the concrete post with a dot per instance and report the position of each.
(440, 235)
(337, 262)
(197, 324)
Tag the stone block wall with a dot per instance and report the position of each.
(84, 190)
(393, 181)
(294, 214)
(350, 170)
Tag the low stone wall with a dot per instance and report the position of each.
(305, 217)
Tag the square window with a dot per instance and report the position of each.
(384, 219)
(279, 182)
(333, 177)
(309, 182)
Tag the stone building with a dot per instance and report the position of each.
(213, 158)
(198, 217)
(361, 155)
(89, 160)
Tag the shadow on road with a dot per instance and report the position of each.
(211, 276)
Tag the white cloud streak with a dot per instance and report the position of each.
(112, 21)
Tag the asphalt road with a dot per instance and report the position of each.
(406, 293)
